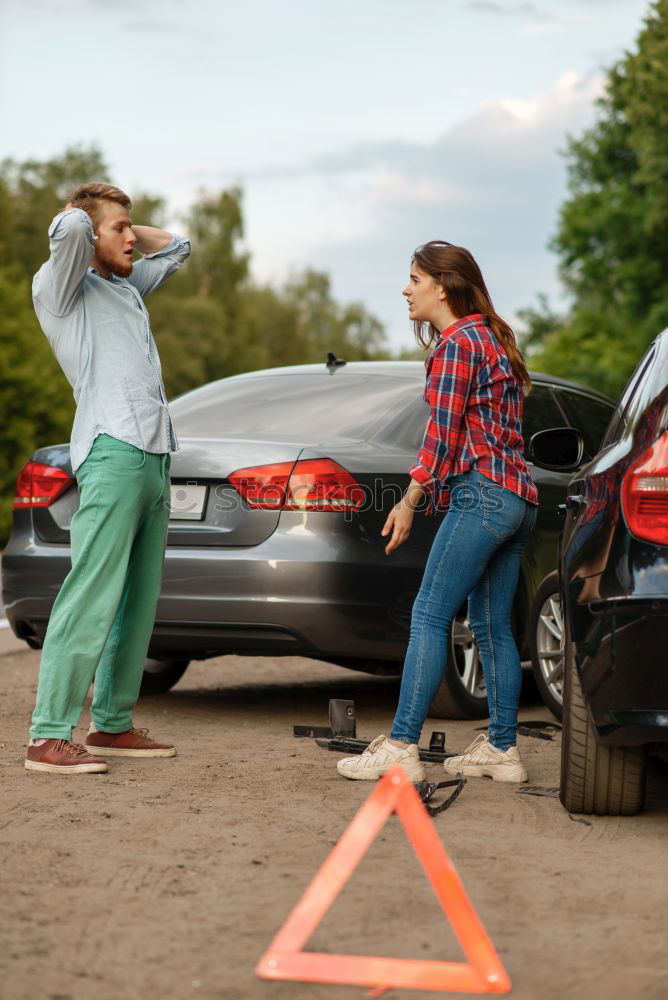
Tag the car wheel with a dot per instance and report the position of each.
(546, 641)
(161, 675)
(463, 693)
(605, 781)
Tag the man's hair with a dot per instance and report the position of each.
(90, 196)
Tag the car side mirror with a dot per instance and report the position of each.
(560, 449)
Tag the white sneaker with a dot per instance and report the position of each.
(481, 760)
(378, 758)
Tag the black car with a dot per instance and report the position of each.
(614, 592)
(280, 489)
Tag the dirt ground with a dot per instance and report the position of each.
(168, 879)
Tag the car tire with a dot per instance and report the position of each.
(463, 693)
(595, 779)
(161, 675)
(546, 644)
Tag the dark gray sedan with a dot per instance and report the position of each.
(280, 489)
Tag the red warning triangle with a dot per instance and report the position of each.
(285, 959)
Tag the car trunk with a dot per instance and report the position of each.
(205, 463)
(256, 421)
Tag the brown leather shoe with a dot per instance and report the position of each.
(132, 743)
(63, 757)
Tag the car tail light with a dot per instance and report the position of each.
(313, 484)
(321, 484)
(263, 486)
(38, 485)
(645, 494)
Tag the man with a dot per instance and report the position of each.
(88, 298)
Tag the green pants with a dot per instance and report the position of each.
(102, 619)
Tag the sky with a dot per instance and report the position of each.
(356, 128)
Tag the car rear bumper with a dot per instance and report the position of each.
(329, 603)
(622, 656)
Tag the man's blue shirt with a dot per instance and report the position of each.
(100, 333)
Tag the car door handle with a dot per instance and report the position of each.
(574, 501)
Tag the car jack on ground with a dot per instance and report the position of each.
(341, 736)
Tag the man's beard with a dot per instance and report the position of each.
(120, 269)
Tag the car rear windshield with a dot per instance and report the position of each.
(342, 405)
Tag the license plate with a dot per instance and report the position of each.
(187, 503)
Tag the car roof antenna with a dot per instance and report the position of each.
(333, 362)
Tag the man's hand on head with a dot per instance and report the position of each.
(149, 239)
(70, 205)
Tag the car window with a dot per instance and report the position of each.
(591, 416)
(628, 406)
(541, 412)
(343, 405)
(407, 431)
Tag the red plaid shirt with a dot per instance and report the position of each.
(476, 414)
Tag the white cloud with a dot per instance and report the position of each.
(493, 183)
(519, 7)
(392, 187)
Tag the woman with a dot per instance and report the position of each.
(471, 465)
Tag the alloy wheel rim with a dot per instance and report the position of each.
(550, 646)
(467, 660)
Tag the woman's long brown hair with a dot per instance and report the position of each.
(456, 271)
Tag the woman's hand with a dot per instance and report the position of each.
(399, 523)
(400, 519)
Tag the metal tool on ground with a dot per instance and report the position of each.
(426, 789)
(342, 722)
(341, 734)
(550, 793)
(285, 959)
(538, 728)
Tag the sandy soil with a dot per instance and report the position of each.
(168, 879)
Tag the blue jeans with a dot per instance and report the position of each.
(476, 554)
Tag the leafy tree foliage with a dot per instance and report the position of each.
(612, 237)
(210, 320)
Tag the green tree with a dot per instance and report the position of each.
(197, 318)
(349, 331)
(38, 191)
(301, 322)
(148, 210)
(189, 332)
(36, 402)
(612, 237)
